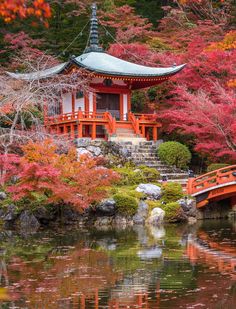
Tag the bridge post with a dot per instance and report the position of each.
(190, 186)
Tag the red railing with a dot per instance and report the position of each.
(212, 179)
(134, 122)
(111, 122)
(146, 117)
(68, 117)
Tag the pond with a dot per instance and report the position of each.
(157, 267)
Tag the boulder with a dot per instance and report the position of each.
(43, 214)
(188, 206)
(107, 207)
(103, 221)
(141, 215)
(94, 150)
(83, 142)
(3, 196)
(28, 221)
(152, 191)
(156, 217)
(121, 221)
(11, 213)
(83, 151)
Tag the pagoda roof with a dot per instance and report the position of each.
(104, 64)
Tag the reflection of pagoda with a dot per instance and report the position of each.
(105, 111)
(205, 249)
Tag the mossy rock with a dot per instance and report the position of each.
(173, 212)
(126, 205)
(129, 175)
(150, 174)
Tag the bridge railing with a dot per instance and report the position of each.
(212, 179)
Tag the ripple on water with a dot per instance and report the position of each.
(158, 267)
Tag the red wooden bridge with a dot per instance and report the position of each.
(214, 186)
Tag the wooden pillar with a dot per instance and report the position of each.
(94, 130)
(94, 103)
(80, 130)
(82, 301)
(72, 131)
(121, 107)
(143, 130)
(129, 102)
(86, 104)
(73, 103)
(64, 129)
(155, 135)
(96, 299)
(58, 130)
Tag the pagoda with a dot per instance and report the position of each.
(104, 111)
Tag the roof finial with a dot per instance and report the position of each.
(94, 40)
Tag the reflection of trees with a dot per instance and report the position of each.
(62, 279)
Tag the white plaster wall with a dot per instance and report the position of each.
(125, 105)
(67, 103)
(91, 101)
(79, 103)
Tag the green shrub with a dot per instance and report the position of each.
(171, 211)
(129, 175)
(127, 190)
(126, 205)
(132, 175)
(150, 174)
(171, 192)
(216, 166)
(174, 153)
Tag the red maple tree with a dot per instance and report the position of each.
(58, 178)
(11, 9)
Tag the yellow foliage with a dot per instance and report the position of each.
(4, 294)
(229, 42)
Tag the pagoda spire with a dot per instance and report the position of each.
(93, 36)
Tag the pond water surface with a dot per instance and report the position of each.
(159, 267)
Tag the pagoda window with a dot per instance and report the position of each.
(109, 102)
(67, 103)
(79, 101)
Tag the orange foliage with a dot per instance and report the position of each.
(232, 83)
(60, 178)
(228, 43)
(11, 9)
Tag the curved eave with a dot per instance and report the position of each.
(39, 74)
(171, 71)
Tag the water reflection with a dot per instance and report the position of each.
(158, 267)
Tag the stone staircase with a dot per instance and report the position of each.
(145, 153)
(125, 134)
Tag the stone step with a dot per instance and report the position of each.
(141, 157)
(175, 175)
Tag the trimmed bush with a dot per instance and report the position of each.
(174, 153)
(215, 166)
(126, 205)
(171, 192)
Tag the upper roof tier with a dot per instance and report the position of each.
(95, 60)
(104, 64)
